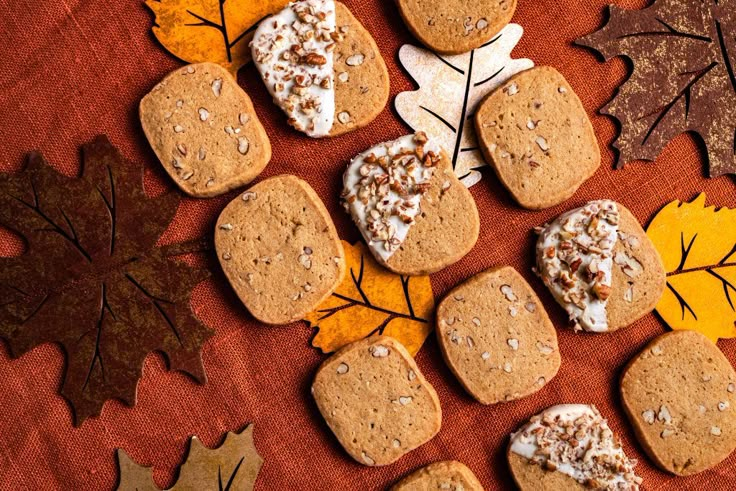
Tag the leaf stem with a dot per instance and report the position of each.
(683, 304)
(700, 268)
(464, 112)
(203, 244)
(97, 355)
(224, 31)
(726, 58)
(379, 309)
(222, 27)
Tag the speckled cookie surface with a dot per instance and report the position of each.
(496, 337)
(532, 477)
(204, 130)
(279, 249)
(448, 475)
(536, 135)
(680, 397)
(638, 277)
(361, 77)
(446, 230)
(455, 26)
(376, 401)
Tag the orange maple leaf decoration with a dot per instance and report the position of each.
(372, 300)
(217, 31)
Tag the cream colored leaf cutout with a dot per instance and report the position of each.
(450, 89)
(233, 465)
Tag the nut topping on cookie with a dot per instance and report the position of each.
(293, 52)
(383, 188)
(575, 261)
(575, 440)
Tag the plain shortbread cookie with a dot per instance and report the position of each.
(279, 249)
(376, 401)
(204, 130)
(453, 27)
(449, 475)
(536, 135)
(680, 396)
(496, 337)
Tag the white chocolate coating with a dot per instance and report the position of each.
(575, 440)
(383, 188)
(292, 50)
(575, 261)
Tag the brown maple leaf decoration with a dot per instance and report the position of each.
(683, 77)
(92, 278)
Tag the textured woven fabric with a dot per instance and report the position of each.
(71, 69)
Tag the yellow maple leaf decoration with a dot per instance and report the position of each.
(210, 30)
(698, 248)
(233, 465)
(372, 300)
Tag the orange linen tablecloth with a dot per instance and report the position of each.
(71, 69)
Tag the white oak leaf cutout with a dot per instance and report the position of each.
(450, 88)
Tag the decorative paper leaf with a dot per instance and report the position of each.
(210, 30)
(233, 466)
(92, 278)
(698, 247)
(450, 88)
(371, 300)
(683, 79)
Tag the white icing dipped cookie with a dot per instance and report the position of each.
(570, 447)
(575, 259)
(316, 59)
(414, 214)
(600, 266)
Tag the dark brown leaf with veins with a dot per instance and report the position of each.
(92, 278)
(683, 52)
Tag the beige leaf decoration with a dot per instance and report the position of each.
(232, 466)
(450, 89)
